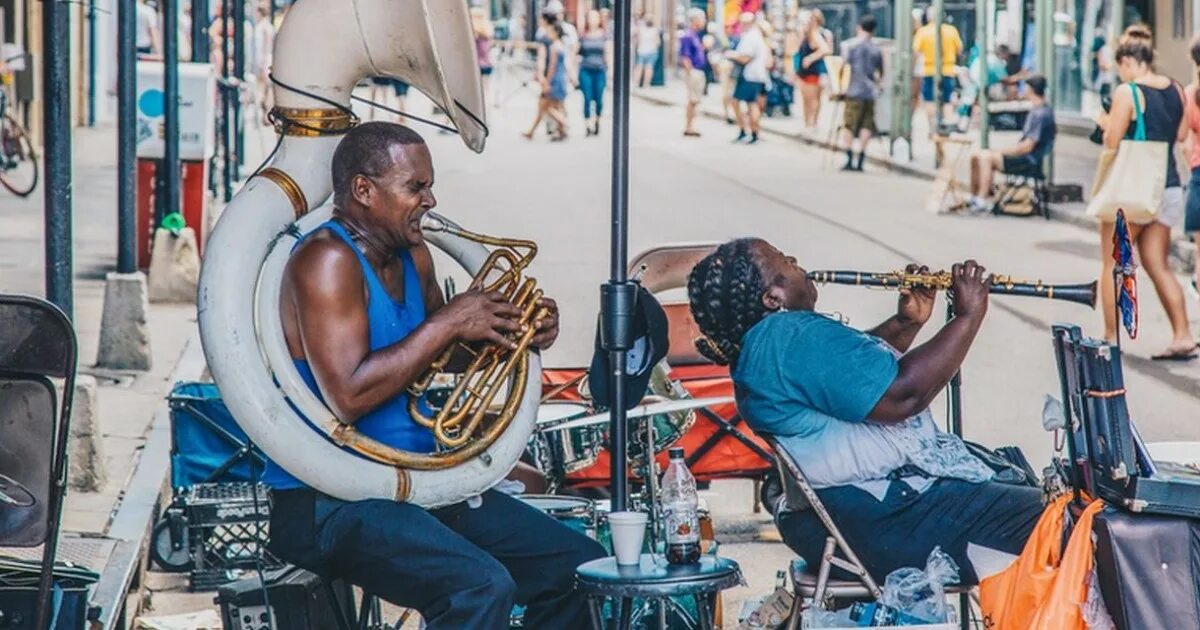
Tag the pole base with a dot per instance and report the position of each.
(124, 334)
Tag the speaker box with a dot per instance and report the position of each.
(298, 600)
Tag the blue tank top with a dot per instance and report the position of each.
(389, 321)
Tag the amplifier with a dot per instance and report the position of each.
(298, 599)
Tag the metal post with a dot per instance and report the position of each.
(272, 14)
(903, 75)
(127, 136)
(983, 11)
(1116, 21)
(618, 296)
(226, 149)
(1044, 12)
(239, 72)
(56, 114)
(91, 63)
(170, 162)
(939, 20)
(200, 44)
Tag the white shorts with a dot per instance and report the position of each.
(1170, 213)
(695, 81)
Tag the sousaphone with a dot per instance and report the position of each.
(323, 49)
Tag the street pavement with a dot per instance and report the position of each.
(706, 189)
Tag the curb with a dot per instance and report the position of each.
(135, 515)
(1181, 249)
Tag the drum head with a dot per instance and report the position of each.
(557, 505)
(558, 410)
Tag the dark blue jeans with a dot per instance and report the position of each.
(905, 526)
(592, 82)
(459, 567)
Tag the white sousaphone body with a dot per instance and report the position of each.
(324, 48)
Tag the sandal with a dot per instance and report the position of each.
(1177, 354)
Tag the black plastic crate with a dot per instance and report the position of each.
(227, 532)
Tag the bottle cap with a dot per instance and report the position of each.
(676, 452)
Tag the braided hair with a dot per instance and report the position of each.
(725, 292)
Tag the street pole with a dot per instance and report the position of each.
(903, 75)
(1116, 22)
(56, 115)
(239, 73)
(200, 44)
(170, 163)
(126, 136)
(983, 12)
(618, 296)
(91, 63)
(1044, 11)
(939, 10)
(226, 150)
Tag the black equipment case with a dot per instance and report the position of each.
(299, 600)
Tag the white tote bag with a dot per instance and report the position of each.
(1133, 179)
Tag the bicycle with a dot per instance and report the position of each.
(18, 158)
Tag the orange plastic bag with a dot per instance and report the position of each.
(1063, 610)
(1011, 598)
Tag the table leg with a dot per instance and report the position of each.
(596, 613)
(704, 614)
(626, 618)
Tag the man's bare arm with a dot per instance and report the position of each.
(335, 333)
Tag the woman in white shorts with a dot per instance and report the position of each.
(1163, 103)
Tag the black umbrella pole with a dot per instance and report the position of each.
(200, 31)
(239, 72)
(619, 295)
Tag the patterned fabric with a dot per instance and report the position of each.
(1125, 270)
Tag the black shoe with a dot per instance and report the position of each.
(753, 139)
(848, 167)
(742, 137)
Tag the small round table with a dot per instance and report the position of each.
(654, 579)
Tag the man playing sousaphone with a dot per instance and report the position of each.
(363, 319)
(853, 409)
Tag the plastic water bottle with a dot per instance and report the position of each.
(679, 506)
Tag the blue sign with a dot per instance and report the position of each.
(152, 103)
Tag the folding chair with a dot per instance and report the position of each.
(37, 343)
(798, 494)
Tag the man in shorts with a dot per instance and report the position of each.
(751, 54)
(694, 61)
(1023, 159)
(866, 73)
(925, 42)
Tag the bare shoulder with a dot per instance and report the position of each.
(324, 265)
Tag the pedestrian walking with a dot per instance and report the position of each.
(149, 39)
(1162, 102)
(485, 34)
(554, 85)
(1191, 224)
(752, 82)
(261, 49)
(595, 50)
(809, 65)
(647, 40)
(925, 42)
(866, 77)
(694, 61)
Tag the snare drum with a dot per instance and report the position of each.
(565, 450)
(577, 513)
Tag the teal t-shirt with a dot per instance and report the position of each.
(812, 381)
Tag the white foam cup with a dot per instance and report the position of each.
(628, 532)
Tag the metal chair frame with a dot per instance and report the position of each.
(799, 494)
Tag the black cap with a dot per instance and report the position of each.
(675, 452)
(650, 341)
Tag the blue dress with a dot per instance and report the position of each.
(558, 82)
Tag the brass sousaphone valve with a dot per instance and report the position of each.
(463, 420)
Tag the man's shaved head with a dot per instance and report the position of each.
(366, 150)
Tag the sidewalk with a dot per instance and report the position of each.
(99, 528)
(1074, 156)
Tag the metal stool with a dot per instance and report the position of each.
(654, 579)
